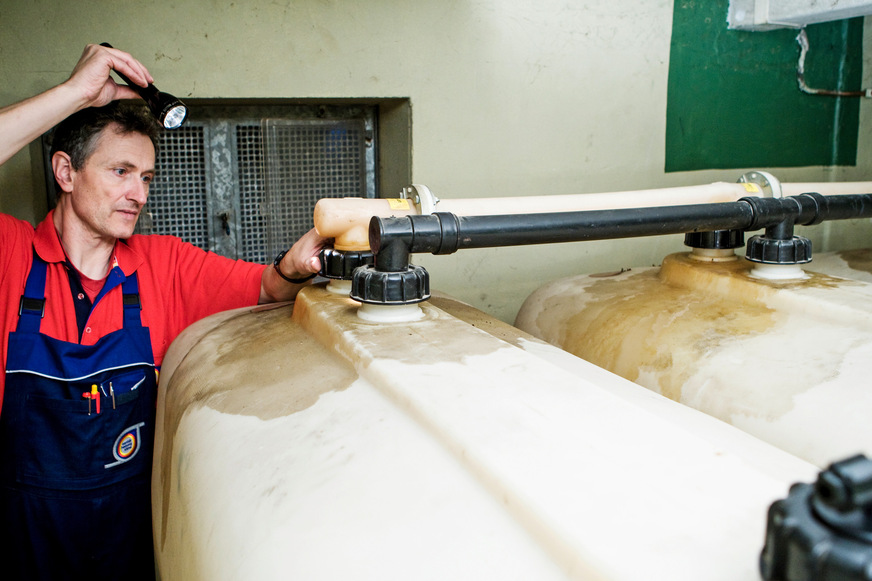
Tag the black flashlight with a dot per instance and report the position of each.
(168, 110)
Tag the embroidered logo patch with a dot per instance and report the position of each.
(127, 445)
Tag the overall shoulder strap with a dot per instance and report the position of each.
(132, 302)
(31, 309)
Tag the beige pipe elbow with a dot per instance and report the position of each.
(346, 220)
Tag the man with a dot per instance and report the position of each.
(88, 311)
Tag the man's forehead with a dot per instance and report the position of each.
(114, 143)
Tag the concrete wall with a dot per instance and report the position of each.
(508, 98)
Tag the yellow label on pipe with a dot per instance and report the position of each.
(399, 204)
(753, 188)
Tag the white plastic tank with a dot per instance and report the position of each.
(305, 442)
(785, 359)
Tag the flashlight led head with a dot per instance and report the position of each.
(168, 110)
(175, 117)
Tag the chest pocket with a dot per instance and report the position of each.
(72, 446)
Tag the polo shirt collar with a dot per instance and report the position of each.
(48, 246)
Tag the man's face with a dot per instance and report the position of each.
(111, 187)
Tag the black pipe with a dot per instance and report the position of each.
(394, 239)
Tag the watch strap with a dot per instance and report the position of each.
(276, 262)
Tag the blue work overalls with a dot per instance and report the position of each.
(75, 498)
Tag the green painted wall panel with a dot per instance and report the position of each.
(733, 99)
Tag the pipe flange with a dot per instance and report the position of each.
(377, 287)
(809, 536)
(715, 240)
(768, 183)
(761, 249)
(422, 197)
(340, 264)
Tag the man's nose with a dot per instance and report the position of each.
(138, 192)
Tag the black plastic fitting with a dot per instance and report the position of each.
(766, 250)
(823, 532)
(820, 207)
(393, 239)
(779, 246)
(391, 279)
(770, 211)
(340, 264)
(715, 240)
(372, 286)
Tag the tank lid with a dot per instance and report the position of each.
(795, 250)
(823, 531)
(340, 264)
(373, 286)
(715, 240)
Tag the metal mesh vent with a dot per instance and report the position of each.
(249, 150)
(245, 186)
(306, 161)
(177, 202)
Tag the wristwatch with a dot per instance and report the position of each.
(281, 274)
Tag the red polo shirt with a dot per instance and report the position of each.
(178, 284)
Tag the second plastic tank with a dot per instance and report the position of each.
(787, 360)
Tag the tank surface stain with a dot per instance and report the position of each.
(860, 259)
(675, 330)
(640, 323)
(733, 280)
(257, 363)
(333, 320)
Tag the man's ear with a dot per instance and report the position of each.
(62, 167)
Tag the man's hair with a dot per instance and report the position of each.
(77, 135)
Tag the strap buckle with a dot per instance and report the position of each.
(132, 300)
(32, 305)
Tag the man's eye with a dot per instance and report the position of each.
(147, 179)
(120, 171)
